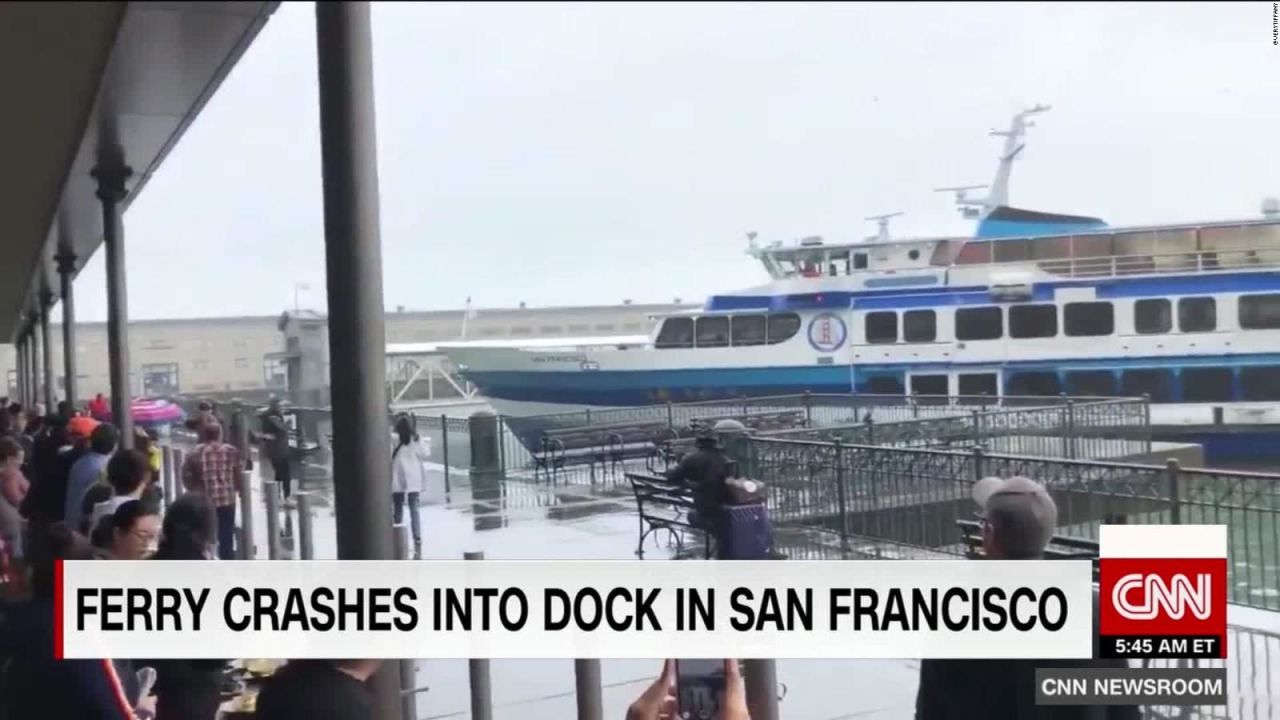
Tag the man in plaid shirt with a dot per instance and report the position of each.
(213, 468)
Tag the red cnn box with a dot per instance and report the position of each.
(1163, 591)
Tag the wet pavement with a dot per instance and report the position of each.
(520, 519)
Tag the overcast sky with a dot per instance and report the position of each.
(572, 154)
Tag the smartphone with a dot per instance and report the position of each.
(699, 689)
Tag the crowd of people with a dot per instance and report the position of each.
(71, 489)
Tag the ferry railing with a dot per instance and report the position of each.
(1074, 429)
(914, 496)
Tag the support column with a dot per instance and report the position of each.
(20, 362)
(111, 191)
(353, 264)
(33, 360)
(66, 273)
(46, 345)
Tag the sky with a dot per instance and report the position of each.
(595, 153)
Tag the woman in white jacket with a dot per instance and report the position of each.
(409, 476)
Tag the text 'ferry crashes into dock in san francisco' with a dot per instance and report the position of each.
(1034, 303)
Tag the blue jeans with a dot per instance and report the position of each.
(227, 532)
(397, 500)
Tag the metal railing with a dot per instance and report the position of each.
(914, 496)
(1072, 429)
(1253, 680)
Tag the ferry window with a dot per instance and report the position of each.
(1033, 383)
(1197, 314)
(783, 327)
(1033, 321)
(1152, 317)
(747, 330)
(712, 331)
(1012, 250)
(1087, 319)
(974, 253)
(883, 385)
(1097, 383)
(919, 326)
(981, 323)
(675, 333)
(1260, 383)
(929, 384)
(977, 384)
(1158, 384)
(859, 261)
(882, 327)
(1208, 385)
(1260, 312)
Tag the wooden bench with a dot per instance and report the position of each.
(664, 505)
(1061, 547)
(616, 442)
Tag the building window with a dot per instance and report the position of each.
(978, 384)
(160, 379)
(1260, 383)
(1033, 383)
(1033, 321)
(712, 331)
(675, 333)
(919, 326)
(1088, 319)
(1096, 383)
(1197, 314)
(1157, 384)
(783, 327)
(550, 330)
(583, 329)
(881, 327)
(242, 362)
(1260, 312)
(604, 327)
(981, 323)
(1208, 385)
(1152, 317)
(275, 372)
(521, 330)
(859, 261)
(747, 330)
(634, 327)
(929, 384)
(883, 385)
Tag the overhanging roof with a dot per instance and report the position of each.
(78, 80)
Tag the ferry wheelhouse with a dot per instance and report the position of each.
(1034, 304)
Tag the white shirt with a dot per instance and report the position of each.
(408, 467)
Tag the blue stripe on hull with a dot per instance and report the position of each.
(645, 387)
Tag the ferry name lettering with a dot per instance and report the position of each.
(559, 358)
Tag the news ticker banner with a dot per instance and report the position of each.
(574, 609)
(1163, 591)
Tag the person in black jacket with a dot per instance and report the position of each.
(1019, 518)
(188, 688)
(705, 471)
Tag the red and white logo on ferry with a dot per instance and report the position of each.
(827, 332)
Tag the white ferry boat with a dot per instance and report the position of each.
(1034, 303)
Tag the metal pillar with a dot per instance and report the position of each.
(762, 689)
(33, 361)
(46, 345)
(271, 497)
(481, 681)
(20, 360)
(590, 695)
(408, 667)
(66, 273)
(353, 270)
(111, 191)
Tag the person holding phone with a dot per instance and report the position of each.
(661, 700)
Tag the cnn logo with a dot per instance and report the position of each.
(1143, 596)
